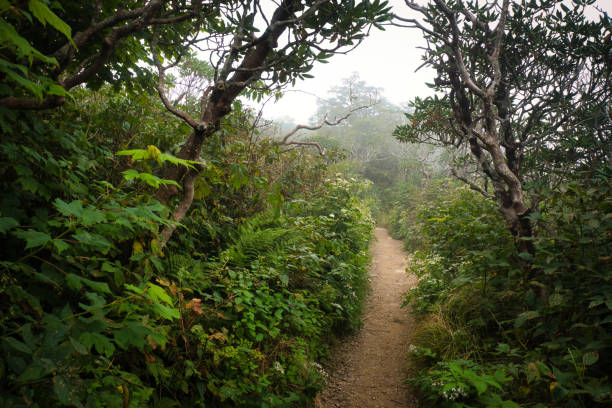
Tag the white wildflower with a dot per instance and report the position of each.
(320, 369)
(454, 394)
(278, 367)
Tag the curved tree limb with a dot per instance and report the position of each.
(320, 148)
(469, 183)
(161, 71)
(325, 122)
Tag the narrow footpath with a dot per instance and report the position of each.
(368, 370)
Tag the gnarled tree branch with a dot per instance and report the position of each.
(325, 122)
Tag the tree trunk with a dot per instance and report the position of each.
(217, 105)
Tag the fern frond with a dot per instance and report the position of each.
(259, 238)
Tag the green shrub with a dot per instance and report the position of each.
(553, 350)
(235, 311)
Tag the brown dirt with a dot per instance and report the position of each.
(368, 370)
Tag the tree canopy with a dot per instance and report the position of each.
(528, 100)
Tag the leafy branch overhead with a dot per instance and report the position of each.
(105, 42)
(256, 45)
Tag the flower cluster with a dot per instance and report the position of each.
(278, 367)
(451, 394)
(454, 394)
(320, 369)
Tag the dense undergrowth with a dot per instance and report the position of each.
(489, 338)
(236, 310)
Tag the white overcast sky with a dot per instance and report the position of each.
(385, 59)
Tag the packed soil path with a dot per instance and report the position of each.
(369, 369)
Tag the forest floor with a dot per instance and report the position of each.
(368, 369)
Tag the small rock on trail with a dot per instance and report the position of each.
(368, 370)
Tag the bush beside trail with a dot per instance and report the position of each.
(237, 310)
(486, 338)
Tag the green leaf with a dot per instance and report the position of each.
(55, 89)
(166, 402)
(95, 241)
(101, 287)
(97, 302)
(133, 334)
(4, 5)
(45, 15)
(500, 378)
(157, 294)
(22, 46)
(102, 343)
(92, 216)
(78, 347)
(163, 157)
(480, 385)
(134, 289)
(60, 245)
(137, 154)
(76, 282)
(33, 238)
(17, 345)
(150, 179)
(130, 174)
(590, 358)
(32, 372)
(6, 223)
(74, 208)
(28, 337)
(17, 294)
(66, 392)
(6, 65)
(523, 317)
(166, 312)
(30, 183)
(596, 301)
(284, 279)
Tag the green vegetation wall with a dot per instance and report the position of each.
(236, 310)
(485, 338)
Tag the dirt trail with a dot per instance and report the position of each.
(369, 369)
